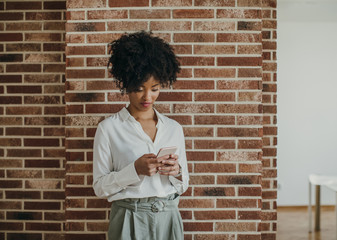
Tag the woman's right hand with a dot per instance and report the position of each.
(147, 165)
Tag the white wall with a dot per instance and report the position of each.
(307, 97)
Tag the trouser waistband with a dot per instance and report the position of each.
(152, 204)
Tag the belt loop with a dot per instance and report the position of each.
(135, 205)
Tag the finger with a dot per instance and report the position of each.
(170, 162)
(167, 169)
(150, 155)
(163, 158)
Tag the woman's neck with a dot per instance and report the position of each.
(140, 115)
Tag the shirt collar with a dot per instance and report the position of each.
(125, 115)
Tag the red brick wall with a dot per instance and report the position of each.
(225, 98)
(32, 161)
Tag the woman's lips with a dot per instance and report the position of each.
(146, 104)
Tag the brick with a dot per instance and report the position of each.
(24, 216)
(250, 49)
(171, 3)
(266, 45)
(54, 47)
(193, 13)
(127, 26)
(9, 205)
(23, 68)
(11, 226)
(77, 180)
(214, 215)
(13, 163)
(42, 184)
(198, 132)
(53, 89)
(10, 78)
(214, 73)
(144, 14)
(42, 37)
(57, 68)
(214, 26)
(23, 153)
(74, 226)
(250, 191)
(214, 96)
(85, 97)
(197, 61)
(196, 203)
(25, 5)
(239, 37)
(42, 121)
(10, 183)
(85, 27)
(85, 50)
(238, 156)
(249, 144)
(43, 226)
(10, 142)
(43, 16)
(79, 144)
(200, 156)
(103, 108)
(30, 236)
(250, 96)
(214, 49)
(236, 227)
(74, 109)
(89, 215)
(250, 168)
(11, 58)
(214, 191)
(175, 96)
(103, 38)
(97, 62)
(54, 174)
(10, 100)
(86, 4)
(214, 236)
(90, 73)
(270, 109)
(238, 180)
(23, 111)
(23, 26)
(43, 58)
(170, 26)
(239, 61)
(239, 132)
(249, 26)
(129, 3)
(72, 191)
(75, 62)
(24, 89)
(193, 37)
(112, 96)
(11, 16)
(198, 226)
(23, 194)
(54, 153)
(41, 99)
(42, 78)
(199, 180)
(22, 47)
(24, 173)
(193, 108)
(239, 108)
(214, 120)
(76, 15)
(55, 5)
(106, 14)
(214, 168)
(42, 142)
(98, 203)
(238, 13)
(249, 120)
(86, 236)
(83, 120)
(42, 164)
(181, 84)
(78, 168)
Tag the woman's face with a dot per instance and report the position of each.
(144, 97)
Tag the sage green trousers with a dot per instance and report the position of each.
(146, 219)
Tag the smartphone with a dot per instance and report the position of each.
(166, 150)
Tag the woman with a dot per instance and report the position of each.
(144, 189)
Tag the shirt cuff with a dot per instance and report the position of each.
(127, 176)
(178, 185)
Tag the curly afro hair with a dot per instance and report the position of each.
(137, 56)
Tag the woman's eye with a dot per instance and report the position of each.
(155, 90)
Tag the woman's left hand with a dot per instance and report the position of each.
(170, 165)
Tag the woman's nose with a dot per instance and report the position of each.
(147, 95)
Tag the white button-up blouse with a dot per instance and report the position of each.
(119, 141)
